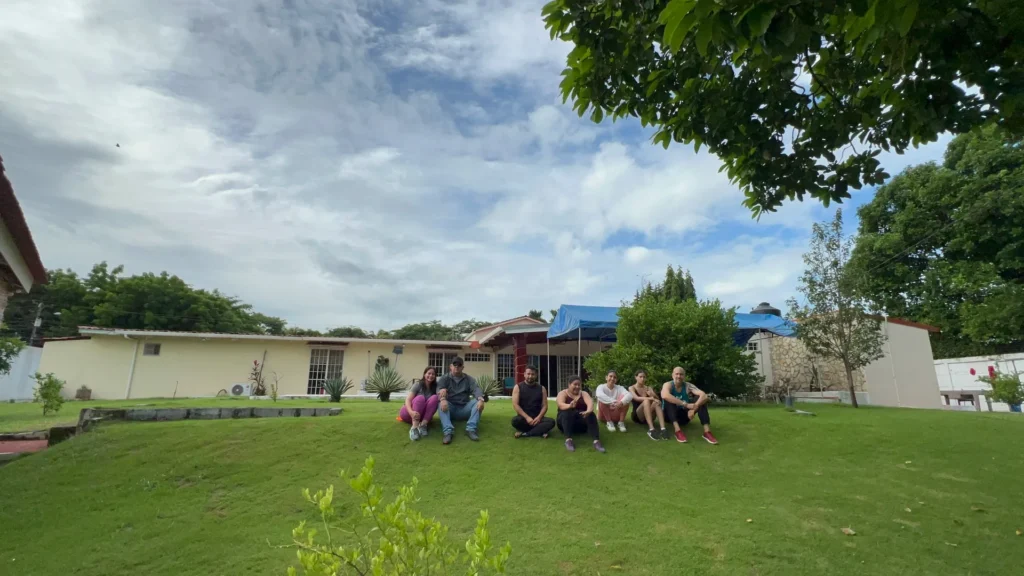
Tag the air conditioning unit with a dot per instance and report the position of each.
(241, 389)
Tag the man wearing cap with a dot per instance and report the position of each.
(461, 399)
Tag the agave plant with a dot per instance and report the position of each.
(337, 387)
(384, 382)
(489, 386)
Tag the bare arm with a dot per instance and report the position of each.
(590, 403)
(543, 408)
(702, 397)
(515, 403)
(560, 401)
(408, 401)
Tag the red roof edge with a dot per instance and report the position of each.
(14, 219)
(913, 324)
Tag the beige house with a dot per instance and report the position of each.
(904, 376)
(119, 363)
(20, 266)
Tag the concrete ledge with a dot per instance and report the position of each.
(17, 436)
(91, 416)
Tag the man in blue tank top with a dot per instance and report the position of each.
(681, 401)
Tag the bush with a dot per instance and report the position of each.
(657, 336)
(49, 391)
(393, 538)
(384, 382)
(1005, 388)
(489, 386)
(337, 387)
(9, 350)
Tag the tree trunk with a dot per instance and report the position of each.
(849, 383)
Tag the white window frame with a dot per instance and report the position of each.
(440, 360)
(505, 367)
(477, 357)
(151, 349)
(325, 363)
(752, 346)
(567, 366)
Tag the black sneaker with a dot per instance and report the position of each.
(653, 434)
(472, 435)
(447, 439)
(663, 435)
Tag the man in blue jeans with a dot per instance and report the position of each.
(461, 399)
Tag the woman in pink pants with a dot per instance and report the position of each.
(420, 404)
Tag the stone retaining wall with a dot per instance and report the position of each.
(795, 368)
(91, 416)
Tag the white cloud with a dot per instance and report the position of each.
(269, 151)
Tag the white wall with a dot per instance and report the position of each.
(954, 374)
(904, 376)
(18, 384)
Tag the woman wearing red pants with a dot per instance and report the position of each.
(613, 402)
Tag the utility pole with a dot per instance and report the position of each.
(36, 323)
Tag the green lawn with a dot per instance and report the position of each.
(927, 492)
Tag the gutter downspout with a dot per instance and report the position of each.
(131, 369)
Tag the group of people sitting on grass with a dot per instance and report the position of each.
(456, 396)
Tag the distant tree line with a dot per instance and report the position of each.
(109, 299)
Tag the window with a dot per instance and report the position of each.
(324, 364)
(567, 366)
(440, 361)
(477, 357)
(506, 366)
(151, 350)
(752, 346)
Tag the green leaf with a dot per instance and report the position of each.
(908, 16)
(759, 19)
(674, 16)
(704, 37)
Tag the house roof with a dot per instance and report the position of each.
(911, 323)
(14, 219)
(99, 331)
(491, 330)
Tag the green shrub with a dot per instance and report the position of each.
(9, 350)
(337, 387)
(1005, 388)
(489, 386)
(49, 390)
(392, 539)
(658, 335)
(384, 382)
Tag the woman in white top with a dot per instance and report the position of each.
(613, 402)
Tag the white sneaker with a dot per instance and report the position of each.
(423, 431)
(414, 434)
(610, 425)
(622, 426)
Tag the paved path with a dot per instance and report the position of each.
(21, 446)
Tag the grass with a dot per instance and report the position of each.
(927, 492)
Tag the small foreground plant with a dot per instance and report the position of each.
(394, 538)
(275, 386)
(1005, 388)
(259, 387)
(48, 391)
(337, 387)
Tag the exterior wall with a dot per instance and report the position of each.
(190, 367)
(100, 363)
(793, 367)
(954, 376)
(19, 384)
(909, 363)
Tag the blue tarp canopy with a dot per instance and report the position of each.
(749, 324)
(599, 322)
(584, 323)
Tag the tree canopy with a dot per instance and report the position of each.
(797, 97)
(832, 321)
(657, 334)
(944, 245)
(677, 286)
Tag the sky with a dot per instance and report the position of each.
(362, 162)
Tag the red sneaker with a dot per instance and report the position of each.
(680, 437)
(710, 438)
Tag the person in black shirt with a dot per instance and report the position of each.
(530, 401)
